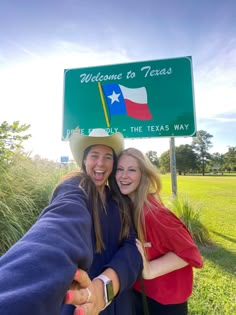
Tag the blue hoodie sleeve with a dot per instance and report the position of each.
(36, 272)
(127, 262)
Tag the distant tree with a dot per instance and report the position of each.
(217, 162)
(153, 158)
(11, 138)
(230, 159)
(186, 158)
(201, 145)
(165, 162)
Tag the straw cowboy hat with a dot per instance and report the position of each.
(79, 142)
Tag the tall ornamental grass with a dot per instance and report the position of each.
(190, 215)
(25, 189)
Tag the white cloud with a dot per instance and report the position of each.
(32, 92)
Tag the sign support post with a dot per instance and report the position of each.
(173, 167)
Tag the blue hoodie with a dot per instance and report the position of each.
(37, 271)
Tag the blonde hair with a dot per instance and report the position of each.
(150, 184)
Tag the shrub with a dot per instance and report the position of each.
(191, 218)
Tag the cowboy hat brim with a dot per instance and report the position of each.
(79, 142)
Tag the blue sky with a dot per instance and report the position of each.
(39, 39)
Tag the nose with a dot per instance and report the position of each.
(124, 174)
(100, 160)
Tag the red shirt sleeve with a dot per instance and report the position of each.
(165, 232)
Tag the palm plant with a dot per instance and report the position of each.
(191, 218)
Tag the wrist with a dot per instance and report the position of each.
(147, 271)
(106, 287)
(98, 285)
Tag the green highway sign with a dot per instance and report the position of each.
(140, 99)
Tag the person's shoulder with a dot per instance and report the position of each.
(68, 185)
(162, 215)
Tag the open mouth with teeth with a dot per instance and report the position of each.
(125, 183)
(99, 175)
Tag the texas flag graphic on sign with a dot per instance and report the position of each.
(122, 100)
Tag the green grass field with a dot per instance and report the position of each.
(215, 284)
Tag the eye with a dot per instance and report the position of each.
(109, 157)
(94, 156)
(119, 169)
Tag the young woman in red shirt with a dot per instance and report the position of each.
(167, 247)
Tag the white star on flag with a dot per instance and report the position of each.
(114, 97)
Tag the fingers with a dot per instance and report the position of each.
(84, 301)
(83, 310)
(79, 297)
(75, 285)
(82, 278)
(79, 311)
(140, 247)
(80, 292)
(86, 309)
(89, 295)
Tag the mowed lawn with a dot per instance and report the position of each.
(215, 285)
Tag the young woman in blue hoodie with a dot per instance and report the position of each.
(87, 226)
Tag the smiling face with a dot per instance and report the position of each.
(99, 164)
(128, 175)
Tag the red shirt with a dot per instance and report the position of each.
(166, 233)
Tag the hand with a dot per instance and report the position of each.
(83, 295)
(161, 265)
(146, 273)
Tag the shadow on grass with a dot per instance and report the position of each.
(222, 257)
(230, 239)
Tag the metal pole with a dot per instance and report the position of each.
(173, 167)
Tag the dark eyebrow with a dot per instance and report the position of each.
(109, 154)
(96, 152)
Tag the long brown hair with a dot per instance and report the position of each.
(150, 184)
(94, 199)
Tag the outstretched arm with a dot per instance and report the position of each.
(38, 270)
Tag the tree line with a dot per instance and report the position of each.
(189, 158)
(195, 158)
